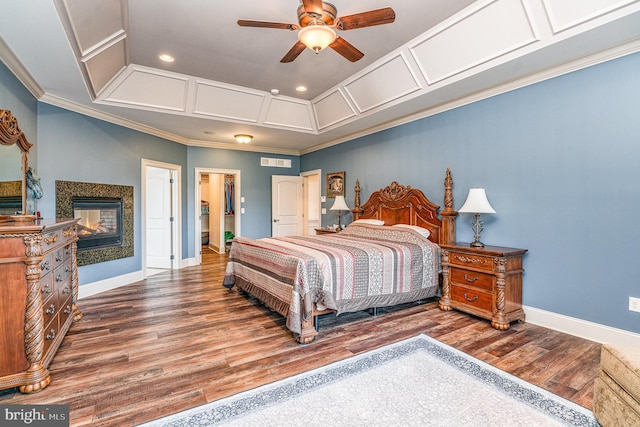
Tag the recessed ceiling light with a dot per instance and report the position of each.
(166, 57)
(301, 88)
(208, 132)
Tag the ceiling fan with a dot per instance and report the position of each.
(317, 22)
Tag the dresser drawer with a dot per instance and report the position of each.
(50, 309)
(65, 311)
(472, 297)
(50, 333)
(46, 265)
(471, 278)
(470, 260)
(46, 286)
(62, 273)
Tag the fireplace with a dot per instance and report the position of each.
(100, 224)
(109, 242)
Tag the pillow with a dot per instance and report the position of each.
(368, 221)
(422, 231)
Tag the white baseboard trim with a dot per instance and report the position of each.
(106, 285)
(581, 328)
(94, 288)
(188, 262)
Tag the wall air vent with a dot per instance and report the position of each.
(275, 163)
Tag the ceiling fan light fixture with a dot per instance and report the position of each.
(243, 138)
(317, 37)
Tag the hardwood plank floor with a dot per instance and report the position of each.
(179, 339)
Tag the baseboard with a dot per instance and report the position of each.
(581, 328)
(94, 288)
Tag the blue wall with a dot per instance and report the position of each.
(560, 162)
(73, 147)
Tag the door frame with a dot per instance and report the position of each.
(176, 208)
(198, 197)
(305, 180)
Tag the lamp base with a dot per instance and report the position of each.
(477, 244)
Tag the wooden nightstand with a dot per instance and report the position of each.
(486, 282)
(325, 231)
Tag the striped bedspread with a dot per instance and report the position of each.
(363, 266)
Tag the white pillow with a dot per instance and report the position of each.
(369, 221)
(422, 231)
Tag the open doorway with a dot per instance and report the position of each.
(161, 216)
(217, 210)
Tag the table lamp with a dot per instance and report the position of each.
(477, 204)
(339, 205)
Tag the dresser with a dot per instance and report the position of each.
(486, 282)
(39, 285)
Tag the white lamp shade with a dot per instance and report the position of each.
(476, 202)
(317, 37)
(339, 204)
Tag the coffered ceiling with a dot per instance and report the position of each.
(101, 58)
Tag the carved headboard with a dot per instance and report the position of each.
(399, 204)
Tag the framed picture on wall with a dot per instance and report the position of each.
(335, 184)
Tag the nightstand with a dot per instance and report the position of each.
(325, 231)
(486, 282)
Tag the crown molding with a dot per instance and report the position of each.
(13, 63)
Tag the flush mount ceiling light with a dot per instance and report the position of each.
(317, 37)
(166, 57)
(243, 138)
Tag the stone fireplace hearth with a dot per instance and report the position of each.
(101, 249)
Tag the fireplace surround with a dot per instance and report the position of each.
(117, 245)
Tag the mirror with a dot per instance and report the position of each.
(14, 149)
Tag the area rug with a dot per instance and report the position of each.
(416, 382)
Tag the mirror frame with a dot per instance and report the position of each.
(10, 134)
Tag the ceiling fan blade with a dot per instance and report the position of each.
(313, 7)
(264, 24)
(293, 52)
(346, 49)
(385, 15)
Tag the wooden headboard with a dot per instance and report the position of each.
(399, 204)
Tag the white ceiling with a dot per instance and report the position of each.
(100, 57)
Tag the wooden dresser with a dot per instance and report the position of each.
(39, 285)
(486, 282)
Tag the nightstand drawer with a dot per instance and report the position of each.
(469, 260)
(471, 278)
(472, 297)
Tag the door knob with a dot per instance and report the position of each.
(276, 220)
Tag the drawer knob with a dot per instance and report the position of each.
(52, 334)
(50, 239)
(47, 289)
(470, 279)
(66, 290)
(51, 309)
(45, 266)
(67, 310)
(470, 299)
(59, 278)
(67, 268)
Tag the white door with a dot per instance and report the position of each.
(158, 217)
(286, 206)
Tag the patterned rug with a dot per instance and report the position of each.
(416, 382)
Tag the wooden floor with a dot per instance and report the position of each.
(179, 339)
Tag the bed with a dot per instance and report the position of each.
(367, 265)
